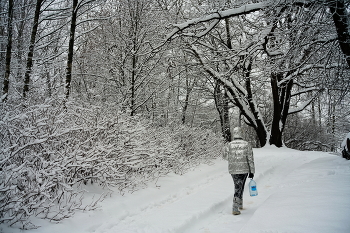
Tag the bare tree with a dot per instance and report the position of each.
(71, 47)
(8, 52)
(340, 16)
(31, 47)
(292, 53)
(128, 61)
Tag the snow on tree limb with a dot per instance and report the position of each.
(304, 104)
(305, 91)
(304, 69)
(219, 15)
(245, 9)
(235, 90)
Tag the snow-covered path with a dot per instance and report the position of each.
(298, 192)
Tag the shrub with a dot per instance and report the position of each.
(49, 152)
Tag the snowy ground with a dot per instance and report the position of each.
(298, 192)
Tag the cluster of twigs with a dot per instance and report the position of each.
(50, 151)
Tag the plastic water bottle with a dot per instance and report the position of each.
(252, 188)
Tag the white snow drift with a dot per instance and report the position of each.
(298, 192)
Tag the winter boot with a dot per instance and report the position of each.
(240, 203)
(235, 206)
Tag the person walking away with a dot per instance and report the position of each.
(239, 155)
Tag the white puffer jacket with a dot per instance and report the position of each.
(239, 155)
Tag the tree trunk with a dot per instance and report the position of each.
(276, 133)
(133, 83)
(221, 103)
(281, 102)
(5, 89)
(187, 98)
(189, 87)
(20, 33)
(259, 127)
(134, 14)
(340, 18)
(31, 48)
(71, 48)
(222, 99)
(184, 109)
(48, 83)
(226, 118)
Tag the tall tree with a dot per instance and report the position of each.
(291, 52)
(341, 17)
(222, 106)
(8, 52)
(127, 41)
(221, 98)
(31, 47)
(71, 47)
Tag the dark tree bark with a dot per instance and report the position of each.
(221, 103)
(281, 101)
(252, 116)
(184, 109)
(31, 47)
(71, 48)
(259, 126)
(221, 98)
(133, 83)
(187, 99)
(276, 133)
(134, 14)
(5, 89)
(340, 18)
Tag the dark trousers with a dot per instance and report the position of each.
(239, 181)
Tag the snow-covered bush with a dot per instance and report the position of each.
(345, 147)
(50, 151)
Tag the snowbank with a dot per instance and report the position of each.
(298, 192)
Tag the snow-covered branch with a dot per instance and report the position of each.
(307, 90)
(49, 154)
(245, 9)
(301, 70)
(236, 91)
(304, 104)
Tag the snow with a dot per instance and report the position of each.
(298, 192)
(245, 9)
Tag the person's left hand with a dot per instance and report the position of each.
(251, 175)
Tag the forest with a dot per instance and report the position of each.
(116, 93)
